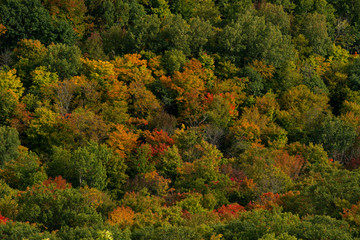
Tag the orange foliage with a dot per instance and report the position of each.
(247, 183)
(118, 91)
(291, 165)
(138, 122)
(122, 140)
(352, 214)
(155, 66)
(2, 29)
(192, 77)
(245, 130)
(121, 216)
(59, 182)
(31, 49)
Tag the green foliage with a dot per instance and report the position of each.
(8, 202)
(9, 144)
(173, 60)
(303, 111)
(335, 135)
(101, 233)
(250, 37)
(261, 224)
(20, 231)
(314, 28)
(30, 20)
(63, 59)
(84, 166)
(203, 105)
(323, 194)
(170, 232)
(23, 171)
(53, 207)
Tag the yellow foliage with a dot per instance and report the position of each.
(101, 71)
(131, 68)
(10, 81)
(216, 237)
(266, 71)
(320, 64)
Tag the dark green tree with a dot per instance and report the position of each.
(9, 143)
(251, 37)
(336, 136)
(63, 59)
(30, 20)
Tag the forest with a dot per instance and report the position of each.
(179, 119)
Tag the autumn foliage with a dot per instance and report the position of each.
(179, 119)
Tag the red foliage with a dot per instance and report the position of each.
(209, 98)
(159, 141)
(59, 182)
(230, 211)
(3, 219)
(186, 214)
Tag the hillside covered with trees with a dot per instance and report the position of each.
(179, 119)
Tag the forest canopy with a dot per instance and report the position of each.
(179, 119)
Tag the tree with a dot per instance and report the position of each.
(174, 34)
(336, 136)
(276, 15)
(29, 55)
(251, 37)
(19, 230)
(9, 143)
(231, 9)
(201, 33)
(71, 11)
(143, 34)
(9, 81)
(173, 60)
(314, 28)
(83, 166)
(63, 59)
(123, 141)
(87, 126)
(23, 171)
(30, 20)
(302, 112)
(53, 207)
